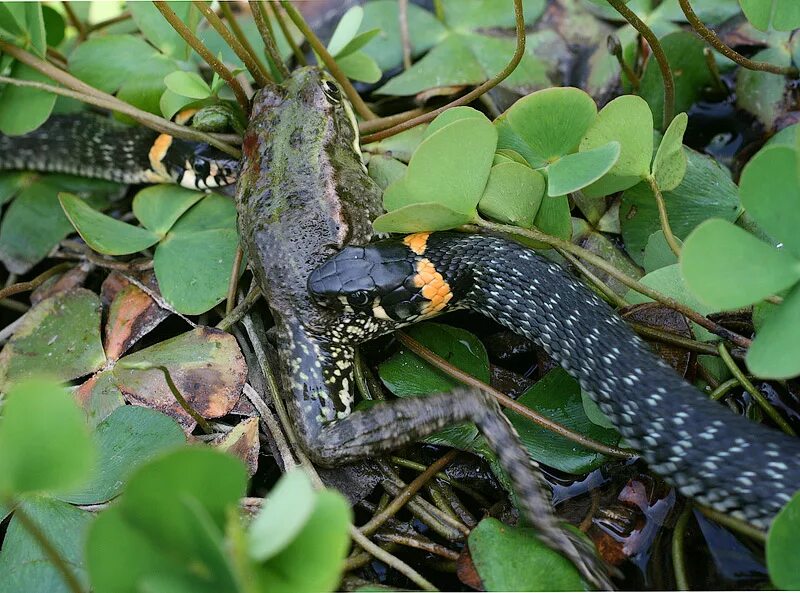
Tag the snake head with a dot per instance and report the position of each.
(376, 280)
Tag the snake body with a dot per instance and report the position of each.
(720, 459)
(93, 146)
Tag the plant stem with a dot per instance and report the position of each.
(663, 216)
(198, 46)
(261, 18)
(390, 560)
(409, 491)
(723, 388)
(373, 125)
(599, 262)
(611, 296)
(402, 17)
(108, 22)
(509, 403)
(615, 48)
(233, 283)
(751, 389)
(239, 310)
(658, 54)
(36, 282)
(714, 41)
(298, 55)
(75, 21)
(666, 337)
(474, 93)
(196, 416)
(734, 523)
(678, 555)
(254, 67)
(55, 557)
(106, 101)
(330, 63)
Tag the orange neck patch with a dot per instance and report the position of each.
(417, 242)
(157, 153)
(433, 285)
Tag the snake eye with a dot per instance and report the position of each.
(331, 92)
(359, 298)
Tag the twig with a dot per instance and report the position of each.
(198, 46)
(658, 54)
(233, 23)
(373, 125)
(108, 22)
(426, 546)
(717, 43)
(519, 51)
(233, 283)
(271, 425)
(32, 284)
(406, 493)
(615, 49)
(75, 21)
(254, 67)
(751, 389)
(352, 94)
(261, 18)
(240, 310)
(678, 555)
(611, 296)
(509, 403)
(402, 17)
(663, 217)
(298, 55)
(390, 560)
(599, 262)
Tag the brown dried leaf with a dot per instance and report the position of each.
(243, 443)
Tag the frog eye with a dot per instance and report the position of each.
(331, 92)
(359, 298)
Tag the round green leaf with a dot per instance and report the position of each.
(513, 559)
(59, 337)
(658, 253)
(669, 165)
(727, 267)
(629, 121)
(770, 192)
(23, 563)
(125, 440)
(762, 93)
(44, 441)
(345, 30)
(452, 115)
(513, 194)
(782, 15)
(775, 352)
(103, 233)
(428, 216)
(558, 396)
(158, 207)
(23, 109)
(159, 32)
(783, 540)
(359, 66)
(575, 171)
(283, 515)
(554, 219)
(107, 61)
(546, 124)
(187, 84)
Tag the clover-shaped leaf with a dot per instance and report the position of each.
(513, 194)
(575, 171)
(669, 164)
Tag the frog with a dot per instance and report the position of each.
(304, 195)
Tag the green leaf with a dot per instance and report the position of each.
(23, 563)
(575, 171)
(782, 15)
(44, 441)
(513, 194)
(405, 374)
(359, 66)
(23, 109)
(547, 124)
(359, 41)
(558, 396)
(761, 93)
(691, 75)
(282, 517)
(54, 26)
(669, 165)
(514, 559)
(193, 262)
(428, 216)
(775, 353)
(103, 233)
(171, 103)
(159, 32)
(727, 267)
(107, 61)
(58, 337)
(629, 121)
(385, 170)
(346, 30)
(158, 207)
(129, 437)
(705, 192)
(553, 218)
(322, 544)
(187, 84)
(770, 192)
(658, 253)
(476, 14)
(451, 166)
(783, 540)
(451, 115)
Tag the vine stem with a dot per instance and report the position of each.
(254, 67)
(32, 284)
(678, 554)
(233, 283)
(261, 19)
(106, 101)
(714, 41)
(299, 57)
(49, 549)
(198, 46)
(330, 63)
(658, 54)
(519, 51)
(509, 403)
(663, 217)
(233, 23)
(599, 262)
(751, 389)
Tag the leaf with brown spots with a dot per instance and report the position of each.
(205, 364)
(98, 397)
(131, 316)
(243, 443)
